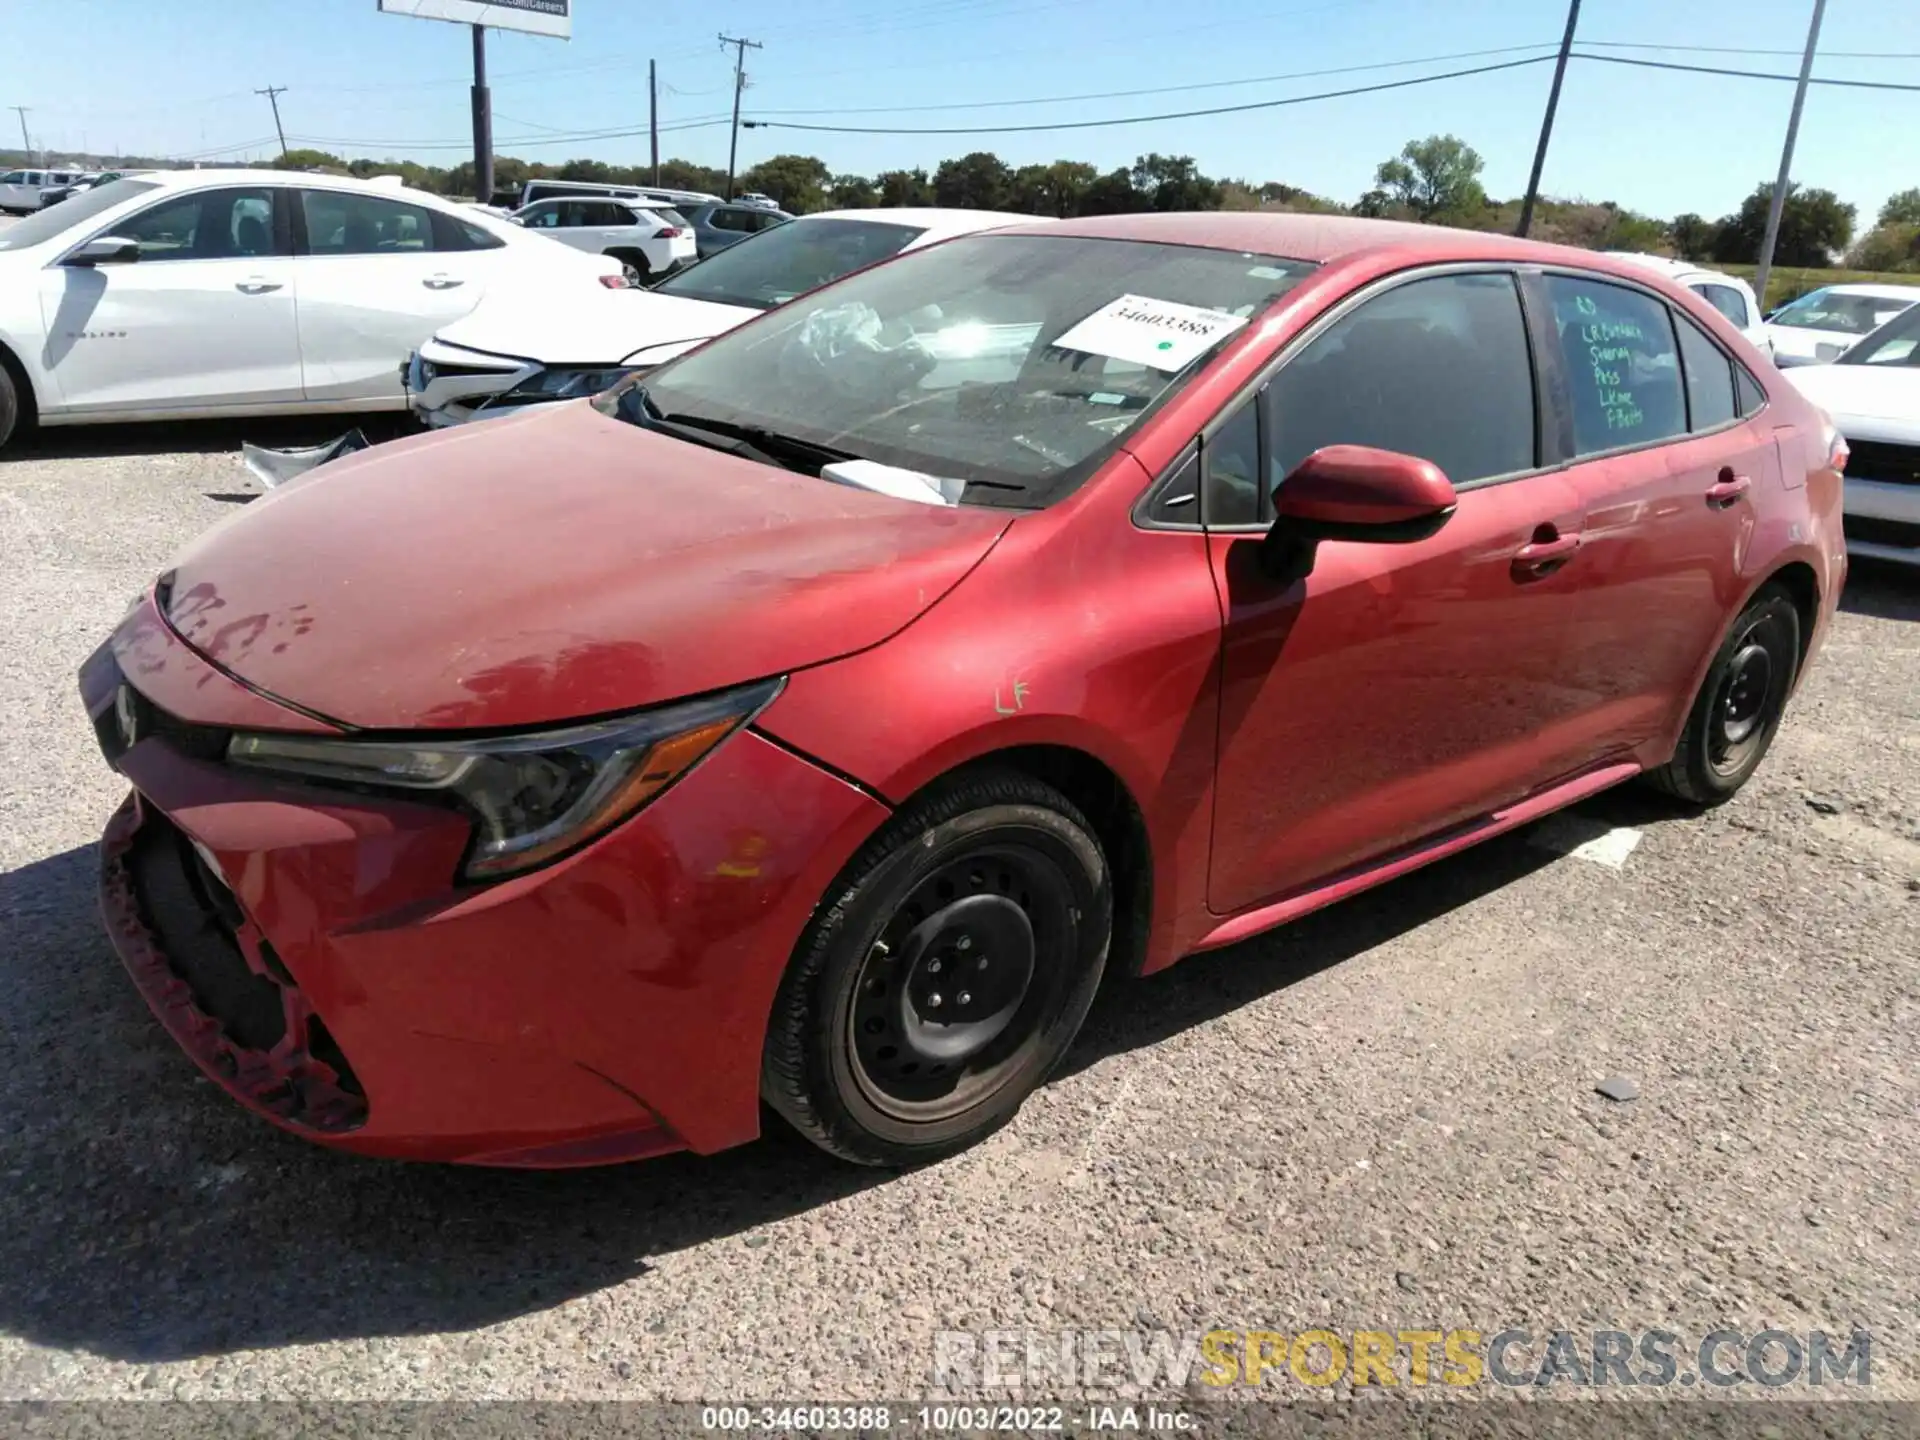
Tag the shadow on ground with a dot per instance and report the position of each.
(201, 437)
(1882, 589)
(147, 1218)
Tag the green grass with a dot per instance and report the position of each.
(1790, 282)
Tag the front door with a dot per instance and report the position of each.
(204, 318)
(1400, 689)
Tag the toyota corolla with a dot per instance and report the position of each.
(807, 727)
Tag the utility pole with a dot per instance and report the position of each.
(739, 84)
(653, 117)
(1546, 124)
(26, 144)
(1786, 160)
(273, 94)
(482, 121)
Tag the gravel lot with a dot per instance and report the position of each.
(1384, 1116)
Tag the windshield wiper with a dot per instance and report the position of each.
(636, 407)
(762, 439)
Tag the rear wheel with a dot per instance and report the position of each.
(1740, 704)
(950, 970)
(9, 403)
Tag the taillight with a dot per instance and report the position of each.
(1837, 452)
(616, 282)
(670, 233)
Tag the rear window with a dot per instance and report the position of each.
(777, 265)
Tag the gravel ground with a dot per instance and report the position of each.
(1384, 1116)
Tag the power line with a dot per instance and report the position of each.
(1743, 74)
(1746, 50)
(1168, 89)
(1147, 119)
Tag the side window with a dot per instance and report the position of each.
(1622, 366)
(727, 220)
(450, 232)
(1232, 466)
(342, 223)
(1710, 398)
(1437, 368)
(605, 212)
(544, 216)
(207, 225)
(1727, 300)
(1752, 397)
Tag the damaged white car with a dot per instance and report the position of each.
(516, 351)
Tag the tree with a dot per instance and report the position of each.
(596, 172)
(1901, 209)
(1434, 178)
(308, 160)
(980, 181)
(904, 187)
(1174, 182)
(1058, 189)
(796, 183)
(1112, 194)
(685, 175)
(1814, 226)
(1887, 247)
(852, 192)
(1692, 236)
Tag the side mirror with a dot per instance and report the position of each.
(1355, 493)
(106, 250)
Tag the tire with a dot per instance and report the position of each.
(1740, 704)
(959, 882)
(9, 404)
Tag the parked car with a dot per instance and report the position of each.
(1872, 392)
(1729, 294)
(814, 721)
(653, 242)
(715, 227)
(759, 201)
(201, 293)
(20, 190)
(511, 354)
(646, 194)
(1821, 324)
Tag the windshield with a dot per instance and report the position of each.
(1850, 314)
(1895, 343)
(774, 266)
(1013, 363)
(76, 209)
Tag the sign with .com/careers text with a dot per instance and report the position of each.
(535, 17)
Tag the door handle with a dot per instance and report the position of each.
(1542, 555)
(1729, 489)
(259, 287)
(441, 282)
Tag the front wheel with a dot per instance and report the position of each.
(1740, 704)
(949, 970)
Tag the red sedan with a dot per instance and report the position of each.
(815, 720)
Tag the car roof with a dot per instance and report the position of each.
(1678, 269)
(198, 179)
(1874, 292)
(1323, 238)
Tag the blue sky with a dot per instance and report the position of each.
(175, 78)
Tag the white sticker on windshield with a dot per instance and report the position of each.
(1143, 331)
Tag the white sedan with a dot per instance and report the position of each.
(204, 293)
(512, 352)
(1872, 393)
(1821, 324)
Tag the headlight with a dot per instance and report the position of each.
(568, 383)
(532, 797)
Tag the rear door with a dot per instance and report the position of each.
(1669, 470)
(1398, 689)
(205, 318)
(377, 277)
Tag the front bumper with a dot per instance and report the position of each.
(1882, 519)
(447, 385)
(312, 953)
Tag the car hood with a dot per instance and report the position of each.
(1867, 402)
(604, 328)
(553, 566)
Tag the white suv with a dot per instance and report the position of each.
(653, 240)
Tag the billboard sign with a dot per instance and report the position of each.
(535, 17)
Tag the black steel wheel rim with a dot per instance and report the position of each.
(1748, 694)
(963, 977)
